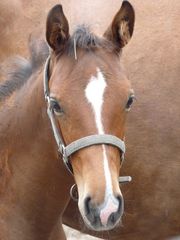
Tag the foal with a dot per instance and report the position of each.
(89, 95)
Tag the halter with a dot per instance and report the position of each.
(67, 150)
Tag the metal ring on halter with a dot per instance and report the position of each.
(74, 192)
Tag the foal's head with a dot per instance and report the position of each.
(92, 95)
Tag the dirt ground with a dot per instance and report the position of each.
(72, 234)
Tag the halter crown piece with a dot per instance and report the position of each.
(67, 151)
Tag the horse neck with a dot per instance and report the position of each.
(28, 150)
(23, 114)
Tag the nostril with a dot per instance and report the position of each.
(87, 205)
(91, 212)
(115, 216)
(112, 218)
(121, 204)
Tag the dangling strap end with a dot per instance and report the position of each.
(125, 179)
(75, 52)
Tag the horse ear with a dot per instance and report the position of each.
(57, 28)
(121, 28)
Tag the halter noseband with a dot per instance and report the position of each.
(67, 151)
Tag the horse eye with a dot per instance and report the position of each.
(130, 102)
(56, 107)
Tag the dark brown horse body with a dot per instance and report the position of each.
(151, 201)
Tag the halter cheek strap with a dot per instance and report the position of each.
(67, 151)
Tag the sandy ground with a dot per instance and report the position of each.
(72, 234)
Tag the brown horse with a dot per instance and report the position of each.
(152, 199)
(88, 96)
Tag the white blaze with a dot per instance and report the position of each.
(95, 94)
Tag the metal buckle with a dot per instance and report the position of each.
(62, 150)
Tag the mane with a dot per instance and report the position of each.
(83, 38)
(20, 69)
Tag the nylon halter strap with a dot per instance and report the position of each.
(67, 151)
